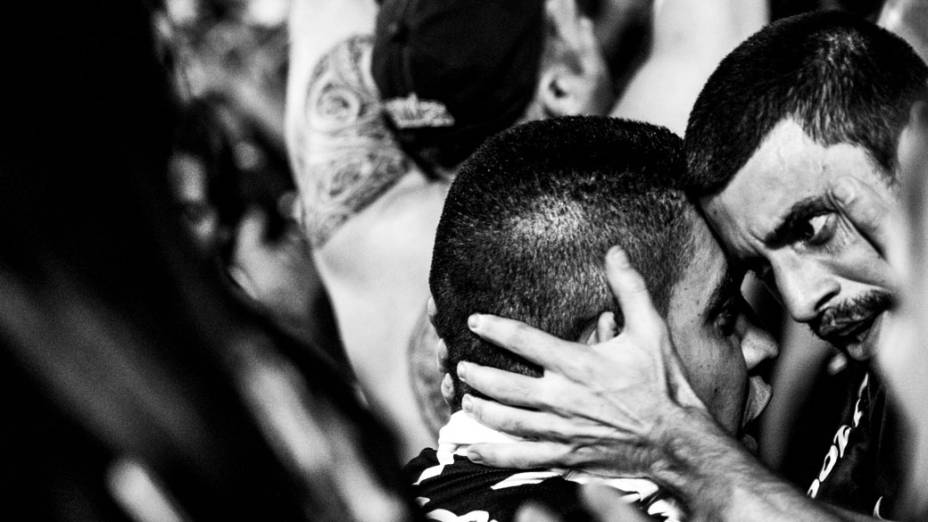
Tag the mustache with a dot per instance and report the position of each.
(846, 318)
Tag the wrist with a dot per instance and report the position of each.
(690, 442)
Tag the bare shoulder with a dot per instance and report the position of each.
(345, 157)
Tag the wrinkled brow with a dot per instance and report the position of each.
(797, 216)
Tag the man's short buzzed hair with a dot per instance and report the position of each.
(841, 78)
(529, 219)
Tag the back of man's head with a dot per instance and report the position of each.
(529, 219)
(455, 72)
(842, 79)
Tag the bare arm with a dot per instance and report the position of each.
(368, 212)
(344, 155)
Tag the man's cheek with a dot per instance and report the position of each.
(709, 377)
(854, 258)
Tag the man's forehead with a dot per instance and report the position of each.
(787, 174)
(709, 267)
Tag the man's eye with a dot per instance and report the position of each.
(817, 230)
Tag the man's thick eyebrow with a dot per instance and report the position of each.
(801, 211)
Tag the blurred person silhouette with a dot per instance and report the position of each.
(235, 195)
(376, 127)
(901, 232)
(903, 351)
(134, 385)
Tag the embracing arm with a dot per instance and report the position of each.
(623, 407)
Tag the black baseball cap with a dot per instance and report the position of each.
(452, 73)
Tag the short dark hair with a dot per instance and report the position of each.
(529, 219)
(843, 79)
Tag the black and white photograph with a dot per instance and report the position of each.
(465, 260)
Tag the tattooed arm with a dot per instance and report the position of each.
(370, 215)
(345, 157)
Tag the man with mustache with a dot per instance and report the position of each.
(791, 128)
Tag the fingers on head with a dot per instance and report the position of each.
(507, 387)
(519, 338)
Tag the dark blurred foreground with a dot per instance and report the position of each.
(135, 383)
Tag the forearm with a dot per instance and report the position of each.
(718, 479)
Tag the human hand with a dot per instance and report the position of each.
(605, 330)
(595, 407)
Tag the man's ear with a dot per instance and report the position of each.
(561, 91)
(574, 78)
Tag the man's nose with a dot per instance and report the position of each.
(804, 288)
(757, 345)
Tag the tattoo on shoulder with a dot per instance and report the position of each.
(348, 157)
